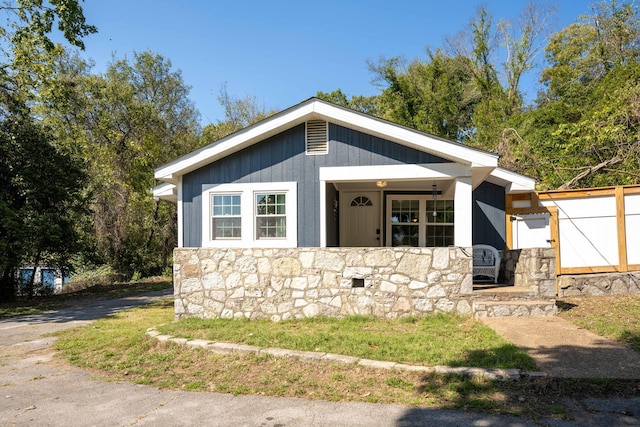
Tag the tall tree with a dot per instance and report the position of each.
(25, 42)
(437, 96)
(585, 129)
(40, 198)
(125, 123)
(39, 182)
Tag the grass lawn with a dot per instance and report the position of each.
(116, 348)
(431, 340)
(616, 317)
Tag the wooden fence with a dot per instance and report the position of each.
(593, 230)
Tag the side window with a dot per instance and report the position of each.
(226, 216)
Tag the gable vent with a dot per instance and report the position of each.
(317, 140)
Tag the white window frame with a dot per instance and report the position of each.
(248, 208)
(423, 221)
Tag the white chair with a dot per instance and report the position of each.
(486, 262)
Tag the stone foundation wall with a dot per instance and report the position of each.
(599, 284)
(533, 269)
(279, 284)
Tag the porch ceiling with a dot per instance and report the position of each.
(446, 187)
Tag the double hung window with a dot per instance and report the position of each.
(250, 215)
(271, 216)
(226, 218)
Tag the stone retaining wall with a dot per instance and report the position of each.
(532, 269)
(599, 284)
(279, 284)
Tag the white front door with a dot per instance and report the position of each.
(360, 219)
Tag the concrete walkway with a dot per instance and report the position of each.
(564, 350)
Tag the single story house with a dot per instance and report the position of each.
(289, 216)
(320, 175)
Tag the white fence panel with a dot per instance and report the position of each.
(588, 230)
(588, 207)
(531, 231)
(588, 242)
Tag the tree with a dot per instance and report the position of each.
(123, 124)
(238, 114)
(39, 200)
(364, 104)
(437, 96)
(586, 127)
(25, 39)
(464, 92)
(39, 181)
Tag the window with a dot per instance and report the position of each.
(405, 226)
(226, 220)
(439, 223)
(418, 220)
(250, 215)
(271, 216)
(361, 201)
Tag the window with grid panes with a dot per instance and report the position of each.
(226, 220)
(440, 224)
(271, 219)
(405, 222)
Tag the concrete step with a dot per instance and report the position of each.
(503, 293)
(519, 308)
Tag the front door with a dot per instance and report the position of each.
(360, 219)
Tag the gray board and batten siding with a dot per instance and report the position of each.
(282, 158)
(489, 219)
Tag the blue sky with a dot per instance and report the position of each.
(282, 52)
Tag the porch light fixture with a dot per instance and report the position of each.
(381, 184)
(435, 198)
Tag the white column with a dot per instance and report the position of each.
(323, 214)
(180, 214)
(463, 205)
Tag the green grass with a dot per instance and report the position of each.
(441, 339)
(616, 317)
(116, 349)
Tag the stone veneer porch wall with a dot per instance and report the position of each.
(533, 269)
(599, 284)
(279, 284)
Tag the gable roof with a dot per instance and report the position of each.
(481, 162)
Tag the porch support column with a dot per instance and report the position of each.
(323, 214)
(463, 218)
(180, 214)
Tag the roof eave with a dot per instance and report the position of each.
(512, 181)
